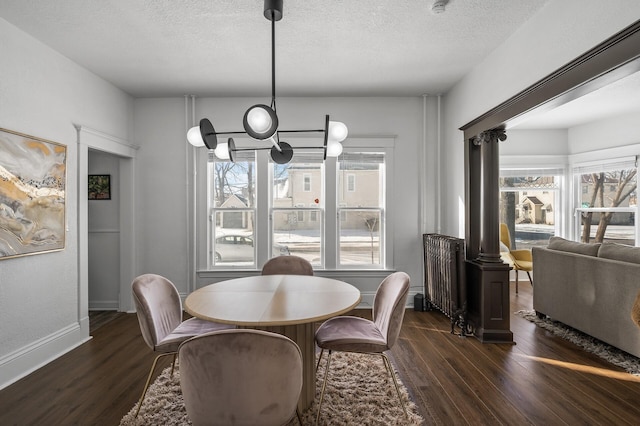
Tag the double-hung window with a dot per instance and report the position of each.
(330, 211)
(232, 212)
(606, 201)
(361, 209)
(297, 193)
(530, 204)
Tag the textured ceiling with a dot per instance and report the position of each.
(152, 48)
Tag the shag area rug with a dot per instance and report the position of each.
(605, 351)
(359, 392)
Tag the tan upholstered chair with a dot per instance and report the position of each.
(288, 265)
(240, 377)
(159, 311)
(355, 334)
(519, 260)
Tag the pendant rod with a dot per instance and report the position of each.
(273, 62)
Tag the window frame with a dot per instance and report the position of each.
(263, 222)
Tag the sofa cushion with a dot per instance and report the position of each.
(560, 244)
(620, 252)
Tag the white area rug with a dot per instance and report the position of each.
(359, 392)
(605, 351)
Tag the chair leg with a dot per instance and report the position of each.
(319, 358)
(173, 363)
(530, 280)
(146, 386)
(324, 385)
(387, 365)
(516, 281)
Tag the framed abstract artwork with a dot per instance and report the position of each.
(33, 177)
(99, 187)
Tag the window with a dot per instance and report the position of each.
(607, 207)
(231, 204)
(362, 209)
(310, 207)
(288, 208)
(351, 182)
(307, 182)
(529, 200)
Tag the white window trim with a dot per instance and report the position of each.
(328, 227)
(529, 163)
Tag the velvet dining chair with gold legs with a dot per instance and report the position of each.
(287, 265)
(159, 311)
(240, 377)
(360, 335)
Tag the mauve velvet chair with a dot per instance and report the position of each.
(240, 377)
(355, 334)
(159, 311)
(287, 265)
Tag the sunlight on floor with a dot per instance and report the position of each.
(619, 375)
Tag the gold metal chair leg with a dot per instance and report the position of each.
(387, 365)
(516, 281)
(146, 386)
(324, 385)
(173, 363)
(530, 280)
(319, 358)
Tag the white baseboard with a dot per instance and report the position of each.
(103, 305)
(22, 362)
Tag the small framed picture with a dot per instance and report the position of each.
(99, 187)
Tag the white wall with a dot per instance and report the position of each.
(44, 94)
(161, 129)
(561, 31)
(535, 142)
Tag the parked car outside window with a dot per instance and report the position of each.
(239, 248)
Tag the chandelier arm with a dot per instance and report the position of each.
(229, 133)
(302, 131)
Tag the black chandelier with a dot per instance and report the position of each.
(261, 121)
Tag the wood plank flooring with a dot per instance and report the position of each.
(541, 380)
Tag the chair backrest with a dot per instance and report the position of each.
(240, 376)
(389, 305)
(505, 236)
(158, 307)
(288, 265)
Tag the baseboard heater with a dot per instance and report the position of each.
(445, 279)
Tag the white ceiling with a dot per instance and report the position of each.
(153, 48)
(156, 48)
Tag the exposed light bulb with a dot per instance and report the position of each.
(334, 149)
(259, 120)
(337, 131)
(195, 137)
(222, 151)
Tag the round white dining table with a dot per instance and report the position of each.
(284, 304)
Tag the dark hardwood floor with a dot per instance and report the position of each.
(541, 380)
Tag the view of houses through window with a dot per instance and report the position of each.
(528, 205)
(298, 197)
(603, 208)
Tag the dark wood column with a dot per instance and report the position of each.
(487, 275)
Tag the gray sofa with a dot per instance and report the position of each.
(590, 287)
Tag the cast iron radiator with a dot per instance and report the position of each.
(445, 279)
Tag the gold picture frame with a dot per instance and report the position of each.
(33, 177)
